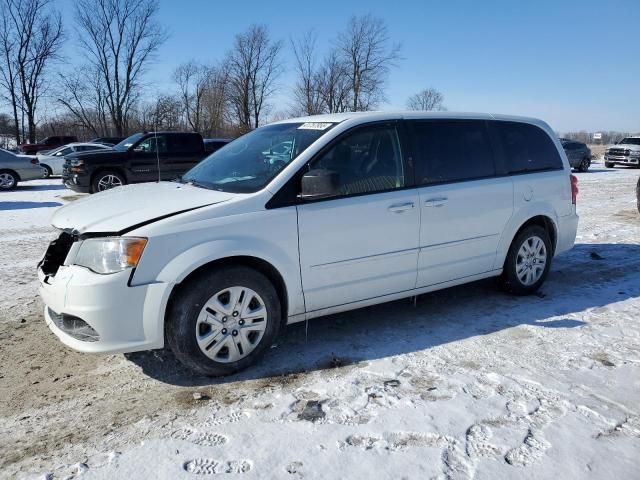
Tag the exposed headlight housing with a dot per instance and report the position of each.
(110, 254)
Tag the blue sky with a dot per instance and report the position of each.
(575, 64)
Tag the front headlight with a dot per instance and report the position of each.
(110, 254)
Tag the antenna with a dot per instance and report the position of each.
(155, 136)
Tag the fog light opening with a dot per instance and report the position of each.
(74, 327)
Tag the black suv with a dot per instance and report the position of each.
(214, 144)
(578, 154)
(142, 157)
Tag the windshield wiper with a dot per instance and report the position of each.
(196, 183)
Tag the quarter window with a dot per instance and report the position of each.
(451, 151)
(527, 148)
(368, 160)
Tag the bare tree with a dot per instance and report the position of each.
(334, 84)
(32, 36)
(215, 101)
(254, 66)
(367, 52)
(83, 95)
(193, 80)
(307, 89)
(428, 100)
(8, 70)
(120, 38)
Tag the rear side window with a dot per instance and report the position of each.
(185, 143)
(527, 148)
(451, 151)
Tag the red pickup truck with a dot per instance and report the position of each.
(48, 143)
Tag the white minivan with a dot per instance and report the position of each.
(358, 209)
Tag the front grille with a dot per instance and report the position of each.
(56, 253)
(74, 326)
(619, 152)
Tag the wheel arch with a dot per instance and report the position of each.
(13, 172)
(260, 265)
(545, 222)
(543, 219)
(106, 168)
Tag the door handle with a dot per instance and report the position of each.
(435, 202)
(401, 207)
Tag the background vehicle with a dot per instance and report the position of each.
(213, 144)
(578, 154)
(135, 159)
(48, 143)
(216, 264)
(108, 141)
(16, 168)
(625, 152)
(53, 161)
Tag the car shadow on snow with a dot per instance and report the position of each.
(589, 276)
(28, 187)
(27, 205)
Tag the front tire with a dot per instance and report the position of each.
(8, 180)
(609, 165)
(48, 172)
(107, 180)
(222, 321)
(528, 261)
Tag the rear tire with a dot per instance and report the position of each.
(8, 180)
(107, 180)
(528, 261)
(584, 165)
(608, 165)
(222, 321)
(48, 172)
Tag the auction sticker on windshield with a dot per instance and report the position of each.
(314, 126)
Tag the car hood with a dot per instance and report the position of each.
(98, 155)
(132, 205)
(626, 146)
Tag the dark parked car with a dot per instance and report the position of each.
(578, 153)
(213, 144)
(48, 143)
(109, 141)
(135, 159)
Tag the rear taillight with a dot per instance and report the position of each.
(35, 161)
(574, 189)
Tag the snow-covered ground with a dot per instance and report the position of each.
(467, 383)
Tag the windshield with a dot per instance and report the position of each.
(247, 164)
(631, 141)
(125, 144)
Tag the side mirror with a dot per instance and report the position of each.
(319, 183)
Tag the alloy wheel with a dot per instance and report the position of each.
(7, 180)
(109, 181)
